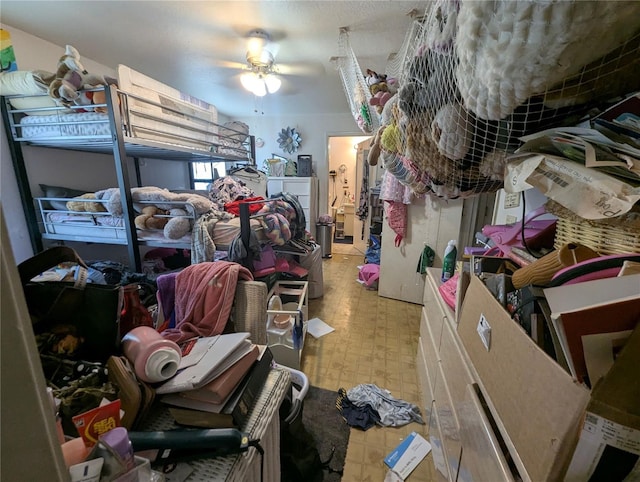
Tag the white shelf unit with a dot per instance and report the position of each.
(305, 189)
(295, 302)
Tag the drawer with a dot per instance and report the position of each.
(432, 320)
(425, 381)
(455, 366)
(448, 422)
(482, 457)
(437, 446)
(305, 201)
(536, 404)
(429, 348)
(303, 187)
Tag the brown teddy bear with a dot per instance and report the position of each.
(86, 206)
(148, 220)
(178, 226)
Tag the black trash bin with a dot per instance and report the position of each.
(324, 237)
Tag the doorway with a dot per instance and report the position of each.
(343, 193)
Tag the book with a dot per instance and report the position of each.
(199, 418)
(600, 306)
(207, 359)
(234, 412)
(243, 398)
(612, 317)
(218, 390)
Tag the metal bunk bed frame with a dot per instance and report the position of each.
(122, 145)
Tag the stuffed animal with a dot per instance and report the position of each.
(379, 100)
(71, 77)
(86, 206)
(374, 150)
(147, 219)
(177, 226)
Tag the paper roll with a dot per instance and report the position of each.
(154, 358)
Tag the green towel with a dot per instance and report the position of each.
(426, 259)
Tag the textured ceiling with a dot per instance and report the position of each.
(198, 46)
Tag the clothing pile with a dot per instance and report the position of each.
(366, 405)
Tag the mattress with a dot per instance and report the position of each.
(106, 227)
(66, 125)
(162, 113)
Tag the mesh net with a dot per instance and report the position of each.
(355, 86)
(474, 77)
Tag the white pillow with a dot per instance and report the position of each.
(24, 82)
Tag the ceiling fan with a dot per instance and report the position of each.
(262, 74)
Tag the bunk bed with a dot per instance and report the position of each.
(140, 118)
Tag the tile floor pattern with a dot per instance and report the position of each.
(375, 341)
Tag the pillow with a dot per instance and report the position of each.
(58, 191)
(24, 82)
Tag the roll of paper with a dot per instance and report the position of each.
(154, 358)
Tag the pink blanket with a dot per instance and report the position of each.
(204, 297)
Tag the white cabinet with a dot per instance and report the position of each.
(305, 189)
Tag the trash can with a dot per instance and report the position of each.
(324, 235)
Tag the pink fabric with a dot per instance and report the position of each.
(396, 214)
(204, 297)
(369, 274)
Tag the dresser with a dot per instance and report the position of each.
(305, 189)
(454, 405)
(499, 408)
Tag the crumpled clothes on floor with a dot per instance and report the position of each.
(363, 417)
(392, 411)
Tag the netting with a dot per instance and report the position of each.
(476, 76)
(355, 87)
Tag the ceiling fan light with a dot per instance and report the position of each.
(259, 88)
(248, 80)
(273, 83)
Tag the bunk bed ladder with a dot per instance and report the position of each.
(122, 173)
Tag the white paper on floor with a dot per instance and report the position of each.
(317, 328)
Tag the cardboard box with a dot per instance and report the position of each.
(609, 443)
(537, 405)
(407, 455)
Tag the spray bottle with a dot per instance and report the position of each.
(449, 260)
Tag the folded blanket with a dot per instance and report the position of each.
(204, 295)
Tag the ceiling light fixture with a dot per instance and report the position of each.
(260, 77)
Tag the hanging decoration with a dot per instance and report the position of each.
(289, 140)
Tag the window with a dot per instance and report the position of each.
(204, 173)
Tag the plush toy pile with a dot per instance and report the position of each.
(68, 85)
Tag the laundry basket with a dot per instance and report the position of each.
(250, 310)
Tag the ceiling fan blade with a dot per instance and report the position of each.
(229, 64)
(305, 69)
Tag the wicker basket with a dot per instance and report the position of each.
(249, 312)
(618, 235)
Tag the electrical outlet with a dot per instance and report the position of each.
(509, 219)
(511, 200)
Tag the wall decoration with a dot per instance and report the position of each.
(7, 55)
(259, 142)
(289, 140)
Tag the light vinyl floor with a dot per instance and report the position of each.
(375, 341)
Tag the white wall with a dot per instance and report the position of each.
(314, 130)
(89, 171)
